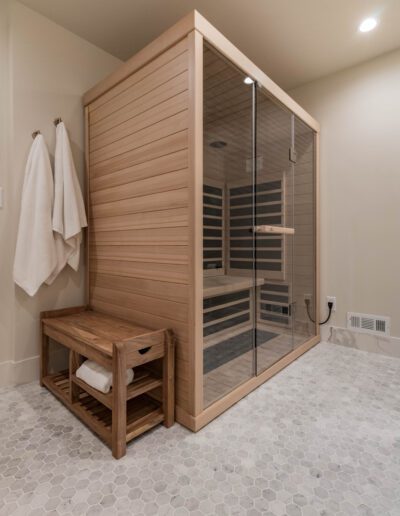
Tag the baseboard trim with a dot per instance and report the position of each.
(15, 372)
(389, 346)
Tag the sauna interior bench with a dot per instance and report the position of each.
(116, 344)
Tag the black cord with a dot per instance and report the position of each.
(330, 306)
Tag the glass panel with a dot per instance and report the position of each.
(258, 229)
(273, 233)
(227, 223)
(304, 262)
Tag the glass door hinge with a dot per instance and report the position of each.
(292, 155)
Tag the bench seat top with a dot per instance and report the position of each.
(95, 329)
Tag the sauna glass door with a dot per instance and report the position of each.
(274, 231)
(259, 250)
(228, 238)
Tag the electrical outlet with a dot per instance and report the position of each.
(331, 299)
(307, 297)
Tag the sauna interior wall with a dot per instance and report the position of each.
(139, 187)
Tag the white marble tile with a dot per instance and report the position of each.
(321, 438)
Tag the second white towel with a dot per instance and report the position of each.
(98, 377)
(69, 215)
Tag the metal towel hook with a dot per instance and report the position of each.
(35, 133)
(57, 121)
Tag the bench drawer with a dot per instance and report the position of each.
(145, 348)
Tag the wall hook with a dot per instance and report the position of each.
(57, 121)
(35, 133)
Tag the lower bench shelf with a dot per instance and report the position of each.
(143, 382)
(142, 413)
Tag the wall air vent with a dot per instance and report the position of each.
(367, 323)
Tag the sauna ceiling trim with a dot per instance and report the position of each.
(195, 21)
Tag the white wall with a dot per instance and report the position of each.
(359, 113)
(50, 68)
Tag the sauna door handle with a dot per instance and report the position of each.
(279, 230)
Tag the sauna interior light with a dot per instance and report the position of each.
(219, 144)
(248, 80)
(368, 24)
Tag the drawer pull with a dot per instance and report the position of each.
(144, 350)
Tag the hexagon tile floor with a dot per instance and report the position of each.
(320, 438)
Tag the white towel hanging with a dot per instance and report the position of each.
(69, 215)
(35, 255)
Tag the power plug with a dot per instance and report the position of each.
(331, 300)
(331, 307)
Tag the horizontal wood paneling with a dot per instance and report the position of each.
(163, 201)
(149, 305)
(150, 288)
(163, 236)
(161, 271)
(134, 125)
(138, 213)
(155, 149)
(137, 99)
(152, 168)
(156, 184)
(160, 129)
(140, 253)
(177, 217)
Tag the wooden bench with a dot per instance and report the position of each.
(116, 344)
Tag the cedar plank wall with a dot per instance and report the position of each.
(138, 202)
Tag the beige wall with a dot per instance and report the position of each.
(44, 71)
(50, 69)
(6, 311)
(359, 113)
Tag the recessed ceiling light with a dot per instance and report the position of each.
(367, 25)
(248, 80)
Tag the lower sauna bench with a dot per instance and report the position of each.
(116, 344)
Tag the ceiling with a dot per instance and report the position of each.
(293, 41)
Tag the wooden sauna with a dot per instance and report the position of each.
(203, 204)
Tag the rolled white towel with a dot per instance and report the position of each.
(98, 377)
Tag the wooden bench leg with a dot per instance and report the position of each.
(44, 356)
(118, 438)
(74, 363)
(168, 380)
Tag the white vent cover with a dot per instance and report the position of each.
(367, 323)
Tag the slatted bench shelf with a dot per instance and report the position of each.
(143, 382)
(126, 411)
